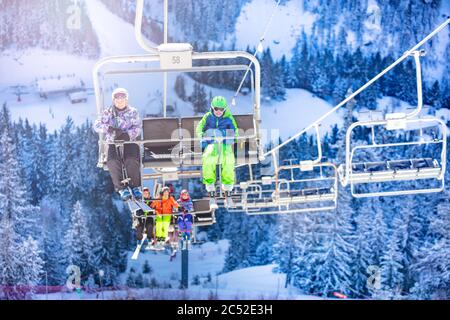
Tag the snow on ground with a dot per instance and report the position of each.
(289, 116)
(24, 67)
(53, 111)
(249, 283)
(288, 22)
(394, 105)
(115, 35)
(203, 259)
(299, 110)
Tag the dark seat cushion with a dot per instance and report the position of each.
(376, 166)
(422, 163)
(358, 167)
(201, 205)
(324, 191)
(204, 217)
(310, 192)
(161, 129)
(400, 164)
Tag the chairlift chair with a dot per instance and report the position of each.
(285, 192)
(391, 173)
(166, 146)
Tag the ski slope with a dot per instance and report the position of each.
(116, 37)
(288, 22)
(258, 282)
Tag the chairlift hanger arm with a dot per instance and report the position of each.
(138, 28)
(417, 111)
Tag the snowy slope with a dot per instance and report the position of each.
(23, 67)
(209, 258)
(116, 37)
(288, 22)
(249, 283)
(203, 259)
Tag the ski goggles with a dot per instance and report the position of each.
(120, 95)
(218, 109)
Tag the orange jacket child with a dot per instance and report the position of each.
(164, 208)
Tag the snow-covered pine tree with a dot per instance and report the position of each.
(272, 77)
(335, 255)
(433, 263)
(42, 169)
(362, 257)
(236, 231)
(14, 202)
(392, 269)
(31, 268)
(78, 241)
(10, 260)
(67, 153)
(20, 263)
(284, 247)
(198, 99)
(51, 241)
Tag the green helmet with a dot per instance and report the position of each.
(219, 102)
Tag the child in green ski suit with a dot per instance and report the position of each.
(218, 122)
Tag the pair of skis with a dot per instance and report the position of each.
(136, 205)
(138, 248)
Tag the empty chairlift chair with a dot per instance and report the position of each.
(386, 178)
(161, 142)
(306, 187)
(203, 215)
(322, 196)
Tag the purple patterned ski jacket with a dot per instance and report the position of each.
(128, 120)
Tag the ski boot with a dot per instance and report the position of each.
(135, 223)
(125, 194)
(186, 244)
(174, 252)
(137, 193)
(160, 244)
(151, 245)
(212, 200)
(228, 200)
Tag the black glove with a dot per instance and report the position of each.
(117, 131)
(180, 209)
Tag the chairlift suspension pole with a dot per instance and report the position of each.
(138, 28)
(370, 82)
(261, 40)
(417, 111)
(166, 32)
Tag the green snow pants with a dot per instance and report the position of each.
(210, 158)
(162, 223)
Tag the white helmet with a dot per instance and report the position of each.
(119, 90)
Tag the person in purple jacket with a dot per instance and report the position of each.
(185, 220)
(121, 122)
